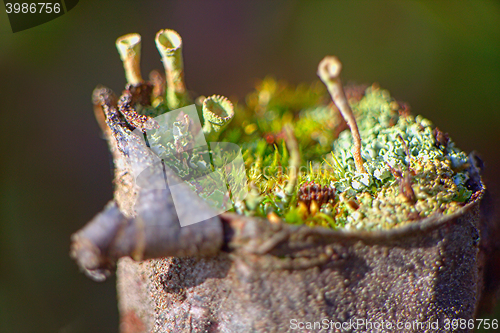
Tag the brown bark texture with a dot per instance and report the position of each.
(240, 274)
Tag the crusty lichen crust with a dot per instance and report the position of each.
(436, 170)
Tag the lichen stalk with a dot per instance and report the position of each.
(129, 48)
(218, 111)
(329, 72)
(169, 44)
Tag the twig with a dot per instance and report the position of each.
(329, 72)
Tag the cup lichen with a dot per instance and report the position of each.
(169, 44)
(218, 111)
(129, 48)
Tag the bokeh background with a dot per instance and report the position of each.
(442, 57)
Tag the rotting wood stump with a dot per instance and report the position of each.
(234, 273)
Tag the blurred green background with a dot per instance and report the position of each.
(442, 57)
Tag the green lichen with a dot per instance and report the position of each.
(298, 152)
(439, 175)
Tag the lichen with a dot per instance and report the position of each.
(302, 162)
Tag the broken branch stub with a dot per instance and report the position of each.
(142, 222)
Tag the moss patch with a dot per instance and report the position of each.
(435, 170)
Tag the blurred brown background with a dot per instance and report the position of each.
(443, 57)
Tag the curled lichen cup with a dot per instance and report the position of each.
(129, 48)
(217, 113)
(169, 44)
